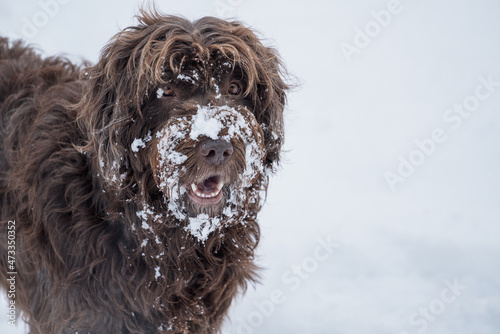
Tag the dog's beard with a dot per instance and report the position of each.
(207, 196)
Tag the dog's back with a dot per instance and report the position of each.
(29, 91)
(35, 126)
(28, 84)
(24, 75)
(17, 62)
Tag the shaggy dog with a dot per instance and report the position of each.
(129, 190)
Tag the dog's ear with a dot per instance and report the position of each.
(107, 106)
(271, 94)
(270, 90)
(115, 90)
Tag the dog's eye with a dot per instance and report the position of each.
(168, 91)
(234, 88)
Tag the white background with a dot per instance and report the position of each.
(348, 124)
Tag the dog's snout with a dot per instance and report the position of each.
(215, 151)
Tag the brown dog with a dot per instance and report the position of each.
(134, 184)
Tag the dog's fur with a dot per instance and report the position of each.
(104, 238)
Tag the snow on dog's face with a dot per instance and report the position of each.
(206, 159)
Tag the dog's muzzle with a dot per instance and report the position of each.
(206, 155)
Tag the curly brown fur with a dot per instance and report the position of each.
(104, 227)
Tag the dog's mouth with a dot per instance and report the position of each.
(207, 192)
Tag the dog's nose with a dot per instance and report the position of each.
(216, 151)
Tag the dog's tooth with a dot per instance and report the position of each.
(195, 189)
(213, 194)
(219, 186)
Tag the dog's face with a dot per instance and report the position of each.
(198, 107)
(206, 155)
(210, 146)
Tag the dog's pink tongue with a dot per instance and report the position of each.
(209, 185)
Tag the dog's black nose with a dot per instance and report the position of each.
(216, 151)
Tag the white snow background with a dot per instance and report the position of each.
(343, 252)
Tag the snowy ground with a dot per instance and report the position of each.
(345, 250)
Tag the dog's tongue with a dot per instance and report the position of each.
(209, 185)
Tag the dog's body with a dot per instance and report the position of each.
(133, 186)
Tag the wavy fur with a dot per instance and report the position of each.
(97, 248)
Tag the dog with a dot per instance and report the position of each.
(130, 189)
